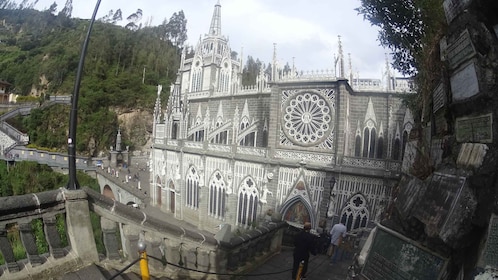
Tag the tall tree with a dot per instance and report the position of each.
(176, 29)
(67, 10)
(401, 29)
(133, 19)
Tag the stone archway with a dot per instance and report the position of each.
(107, 192)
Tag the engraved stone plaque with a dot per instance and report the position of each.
(439, 200)
(395, 257)
(464, 83)
(460, 50)
(438, 98)
(453, 8)
(489, 256)
(475, 129)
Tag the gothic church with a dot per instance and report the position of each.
(308, 147)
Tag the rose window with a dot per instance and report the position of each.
(307, 118)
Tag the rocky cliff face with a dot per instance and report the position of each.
(136, 128)
(453, 211)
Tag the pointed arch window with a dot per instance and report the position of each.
(396, 149)
(403, 146)
(196, 81)
(357, 146)
(369, 140)
(217, 193)
(222, 137)
(249, 139)
(247, 203)
(193, 189)
(174, 130)
(380, 147)
(355, 215)
(224, 80)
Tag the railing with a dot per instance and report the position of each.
(21, 138)
(192, 252)
(30, 222)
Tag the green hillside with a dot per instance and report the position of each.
(39, 55)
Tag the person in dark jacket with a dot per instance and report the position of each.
(304, 243)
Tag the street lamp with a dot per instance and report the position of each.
(73, 118)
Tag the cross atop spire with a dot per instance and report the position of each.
(215, 28)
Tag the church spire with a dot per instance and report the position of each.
(215, 28)
(341, 59)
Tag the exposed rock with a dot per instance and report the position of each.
(136, 127)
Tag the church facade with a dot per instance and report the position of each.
(309, 147)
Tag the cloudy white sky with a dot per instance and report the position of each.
(306, 30)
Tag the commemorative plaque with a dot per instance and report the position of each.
(475, 129)
(464, 83)
(439, 201)
(438, 98)
(393, 256)
(452, 8)
(460, 50)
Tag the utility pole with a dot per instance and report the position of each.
(143, 76)
(73, 118)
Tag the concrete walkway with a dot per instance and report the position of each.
(279, 267)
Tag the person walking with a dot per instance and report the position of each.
(304, 243)
(337, 233)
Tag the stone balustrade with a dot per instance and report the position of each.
(186, 249)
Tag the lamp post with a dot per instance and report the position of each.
(144, 264)
(73, 118)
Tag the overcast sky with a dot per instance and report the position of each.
(306, 30)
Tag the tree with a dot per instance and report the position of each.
(67, 10)
(53, 8)
(401, 29)
(251, 71)
(133, 20)
(176, 29)
(413, 30)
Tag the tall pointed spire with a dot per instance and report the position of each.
(341, 59)
(388, 74)
(215, 28)
(274, 63)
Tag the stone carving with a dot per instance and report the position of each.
(363, 162)
(307, 119)
(265, 192)
(304, 156)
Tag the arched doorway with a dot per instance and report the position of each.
(107, 192)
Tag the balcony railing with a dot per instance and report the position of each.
(121, 226)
